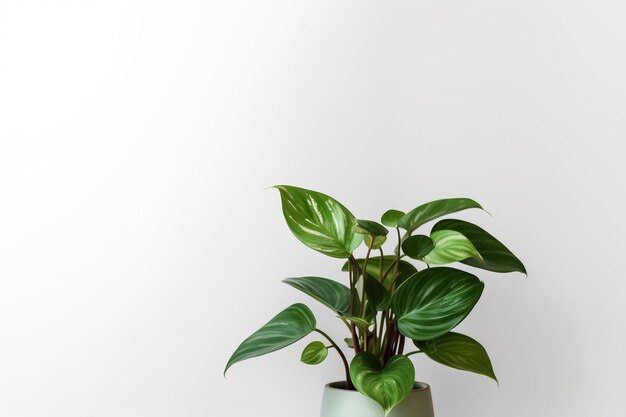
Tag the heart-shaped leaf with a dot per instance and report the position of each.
(494, 256)
(332, 294)
(319, 221)
(314, 353)
(386, 386)
(430, 211)
(391, 217)
(287, 327)
(460, 352)
(417, 246)
(433, 301)
(450, 246)
(369, 227)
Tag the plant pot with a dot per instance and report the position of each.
(338, 401)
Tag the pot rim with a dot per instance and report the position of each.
(341, 386)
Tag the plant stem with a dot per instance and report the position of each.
(355, 339)
(367, 258)
(343, 357)
(395, 272)
(413, 353)
(401, 345)
(380, 264)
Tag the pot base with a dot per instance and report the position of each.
(338, 401)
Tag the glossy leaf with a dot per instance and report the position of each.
(391, 217)
(377, 295)
(433, 301)
(314, 353)
(430, 211)
(494, 256)
(450, 246)
(319, 221)
(287, 327)
(332, 294)
(417, 246)
(369, 227)
(387, 386)
(405, 269)
(378, 241)
(460, 352)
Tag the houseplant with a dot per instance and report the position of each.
(386, 300)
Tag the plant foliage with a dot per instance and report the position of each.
(386, 298)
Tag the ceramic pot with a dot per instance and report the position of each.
(337, 401)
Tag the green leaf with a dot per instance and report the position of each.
(314, 353)
(391, 217)
(433, 301)
(378, 241)
(450, 246)
(460, 352)
(417, 246)
(332, 294)
(369, 227)
(494, 256)
(387, 386)
(287, 327)
(405, 269)
(319, 221)
(430, 211)
(377, 294)
(349, 342)
(359, 322)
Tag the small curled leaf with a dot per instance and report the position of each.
(418, 246)
(378, 241)
(391, 217)
(369, 227)
(314, 353)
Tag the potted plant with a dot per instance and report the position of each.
(388, 305)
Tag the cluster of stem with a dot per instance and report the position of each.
(383, 338)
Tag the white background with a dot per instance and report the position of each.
(138, 246)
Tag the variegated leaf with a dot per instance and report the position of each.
(450, 246)
(332, 294)
(314, 353)
(287, 327)
(387, 386)
(494, 256)
(430, 211)
(434, 301)
(460, 352)
(319, 221)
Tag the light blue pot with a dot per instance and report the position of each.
(340, 402)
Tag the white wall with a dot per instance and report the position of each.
(138, 246)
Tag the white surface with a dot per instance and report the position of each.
(138, 247)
